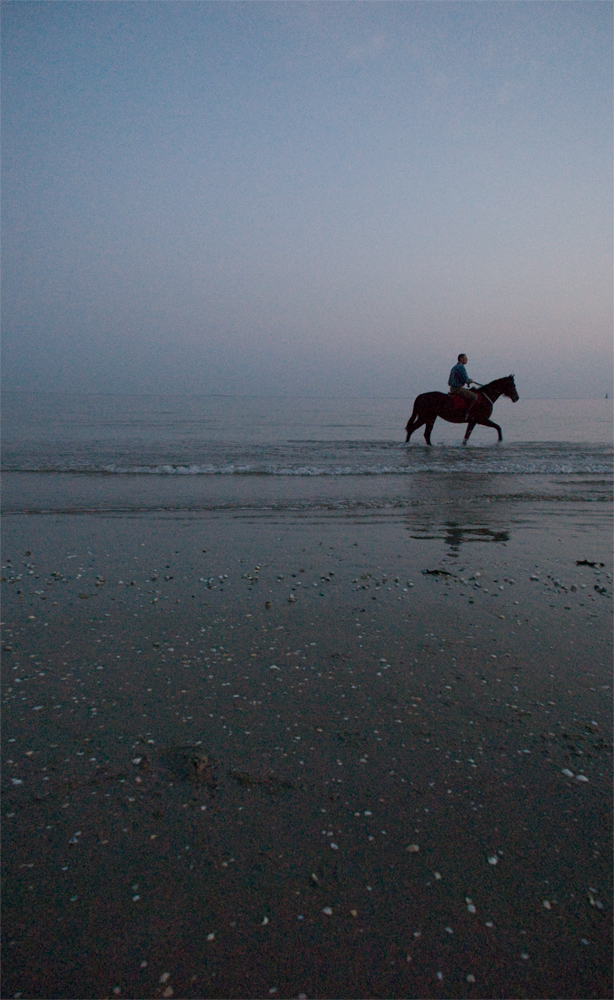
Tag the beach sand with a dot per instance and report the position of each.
(311, 753)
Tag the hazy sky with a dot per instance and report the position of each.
(306, 198)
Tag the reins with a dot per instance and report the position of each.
(481, 389)
(487, 397)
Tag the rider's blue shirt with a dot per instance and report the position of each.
(458, 376)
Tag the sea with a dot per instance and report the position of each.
(72, 451)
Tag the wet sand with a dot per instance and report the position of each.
(260, 754)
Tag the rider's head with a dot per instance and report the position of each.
(463, 359)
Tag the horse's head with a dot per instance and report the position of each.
(501, 387)
(510, 389)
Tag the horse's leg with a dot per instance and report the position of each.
(470, 425)
(428, 429)
(491, 423)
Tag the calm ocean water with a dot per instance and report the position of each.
(69, 453)
(208, 435)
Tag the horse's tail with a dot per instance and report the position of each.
(414, 415)
(415, 420)
(417, 410)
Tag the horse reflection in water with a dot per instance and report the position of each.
(430, 405)
(454, 535)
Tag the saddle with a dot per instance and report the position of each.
(461, 404)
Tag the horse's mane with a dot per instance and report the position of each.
(496, 382)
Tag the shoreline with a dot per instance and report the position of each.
(494, 494)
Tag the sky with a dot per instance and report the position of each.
(306, 198)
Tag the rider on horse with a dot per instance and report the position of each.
(430, 405)
(459, 379)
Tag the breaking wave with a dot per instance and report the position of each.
(317, 459)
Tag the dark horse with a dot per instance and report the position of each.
(430, 405)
